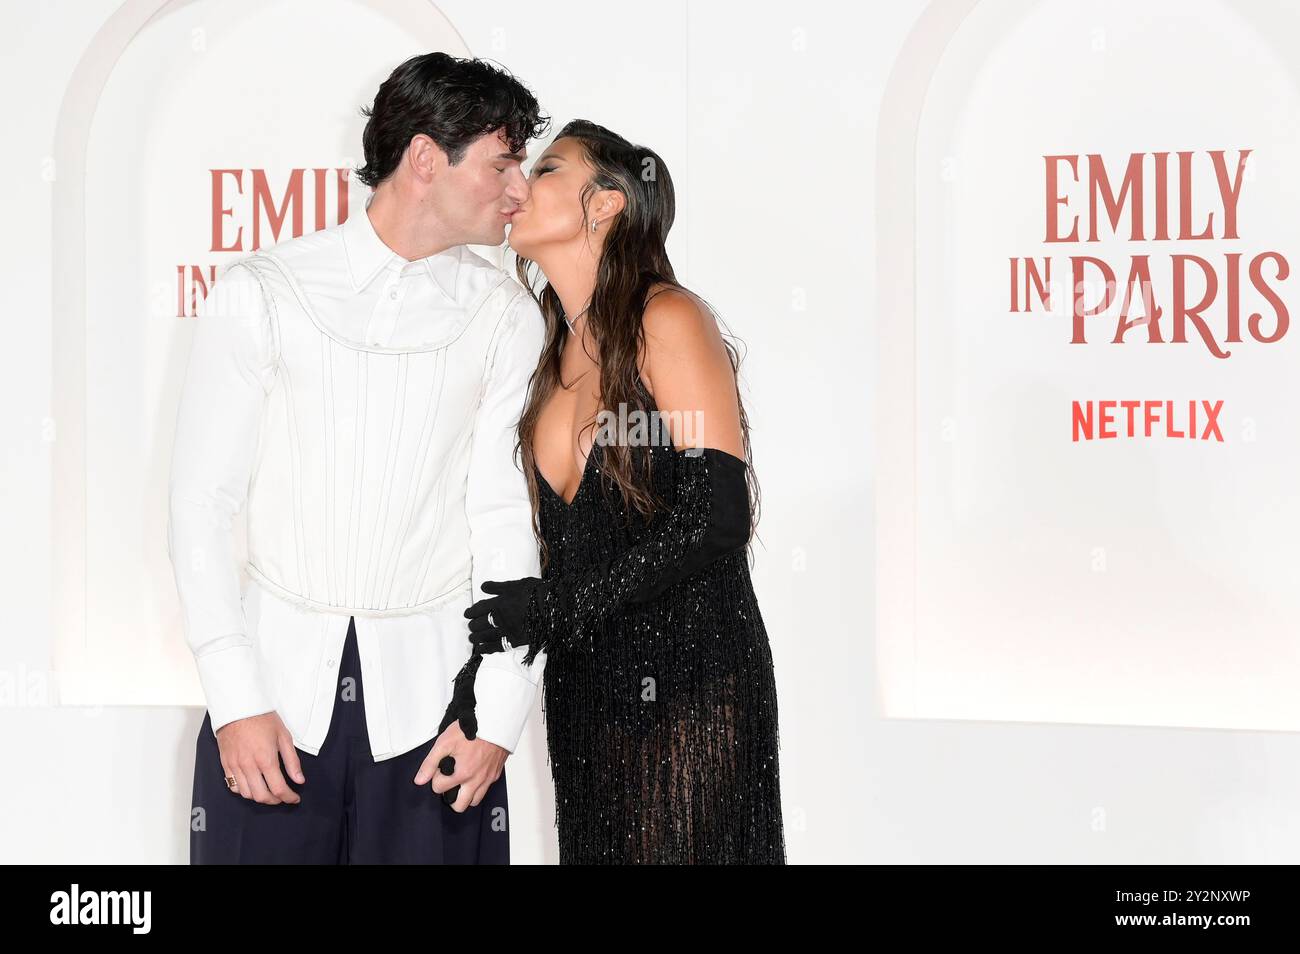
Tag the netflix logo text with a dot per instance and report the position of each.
(1175, 420)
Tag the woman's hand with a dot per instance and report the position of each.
(502, 614)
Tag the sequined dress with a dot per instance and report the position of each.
(661, 716)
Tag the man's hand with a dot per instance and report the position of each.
(251, 750)
(478, 765)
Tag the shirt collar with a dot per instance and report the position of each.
(367, 255)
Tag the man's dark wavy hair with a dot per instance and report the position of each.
(453, 101)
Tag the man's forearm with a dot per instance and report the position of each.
(217, 424)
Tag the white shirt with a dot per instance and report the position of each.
(364, 408)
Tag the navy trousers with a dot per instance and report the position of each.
(354, 810)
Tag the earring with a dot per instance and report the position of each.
(594, 224)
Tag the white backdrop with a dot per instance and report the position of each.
(770, 117)
(1130, 580)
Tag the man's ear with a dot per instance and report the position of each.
(425, 157)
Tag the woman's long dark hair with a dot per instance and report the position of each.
(633, 261)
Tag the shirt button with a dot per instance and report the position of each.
(392, 293)
(329, 664)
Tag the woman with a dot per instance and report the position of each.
(658, 689)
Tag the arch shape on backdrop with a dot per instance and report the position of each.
(1037, 612)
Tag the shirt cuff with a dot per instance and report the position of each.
(503, 701)
(232, 685)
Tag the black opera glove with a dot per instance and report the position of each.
(462, 700)
(462, 708)
(503, 614)
(709, 519)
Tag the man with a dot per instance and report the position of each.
(358, 388)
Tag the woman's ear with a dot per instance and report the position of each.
(606, 204)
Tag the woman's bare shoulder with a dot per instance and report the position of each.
(677, 322)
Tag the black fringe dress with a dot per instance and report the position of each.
(661, 716)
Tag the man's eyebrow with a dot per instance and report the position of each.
(512, 156)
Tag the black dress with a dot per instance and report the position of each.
(661, 715)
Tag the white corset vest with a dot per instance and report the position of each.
(357, 500)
